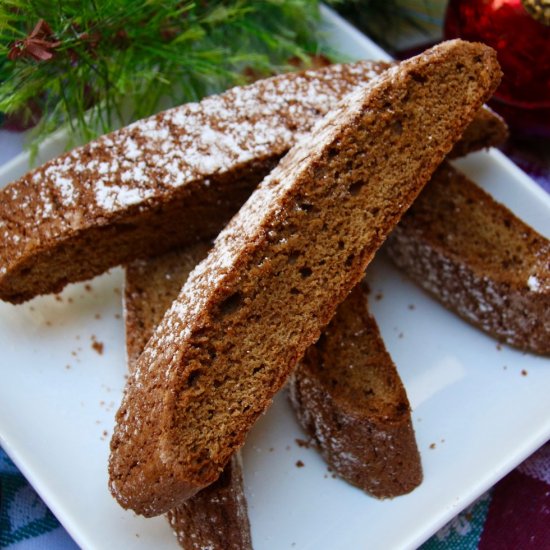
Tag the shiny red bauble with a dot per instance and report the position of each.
(523, 48)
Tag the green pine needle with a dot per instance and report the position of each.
(118, 60)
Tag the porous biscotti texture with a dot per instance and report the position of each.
(478, 259)
(280, 268)
(217, 516)
(350, 400)
(488, 129)
(161, 182)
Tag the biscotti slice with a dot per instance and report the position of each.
(161, 182)
(349, 399)
(280, 268)
(478, 259)
(217, 516)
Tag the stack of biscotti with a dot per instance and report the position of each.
(373, 445)
(349, 398)
(164, 181)
(478, 259)
(278, 271)
(216, 517)
(473, 131)
(351, 338)
(150, 287)
(360, 418)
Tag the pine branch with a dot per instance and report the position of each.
(82, 63)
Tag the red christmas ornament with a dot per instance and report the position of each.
(522, 41)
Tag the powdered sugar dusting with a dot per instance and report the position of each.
(115, 195)
(66, 187)
(533, 283)
(154, 157)
(250, 222)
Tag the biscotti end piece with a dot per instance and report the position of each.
(165, 181)
(350, 400)
(478, 259)
(217, 517)
(278, 271)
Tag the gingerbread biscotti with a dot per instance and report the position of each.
(478, 259)
(278, 271)
(217, 516)
(163, 181)
(349, 399)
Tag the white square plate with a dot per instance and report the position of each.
(485, 407)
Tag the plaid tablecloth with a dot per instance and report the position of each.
(513, 515)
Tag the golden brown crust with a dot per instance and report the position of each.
(279, 270)
(350, 400)
(164, 181)
(478, 259)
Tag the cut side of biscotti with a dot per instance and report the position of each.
(150, 287)
(162, 182)
(478, 259)
(278, 271)
(349, 399)
(217, 516)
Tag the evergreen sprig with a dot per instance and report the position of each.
(91, 64)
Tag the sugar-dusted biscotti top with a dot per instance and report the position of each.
(167, 180)
(101, 204)
(278, 271)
